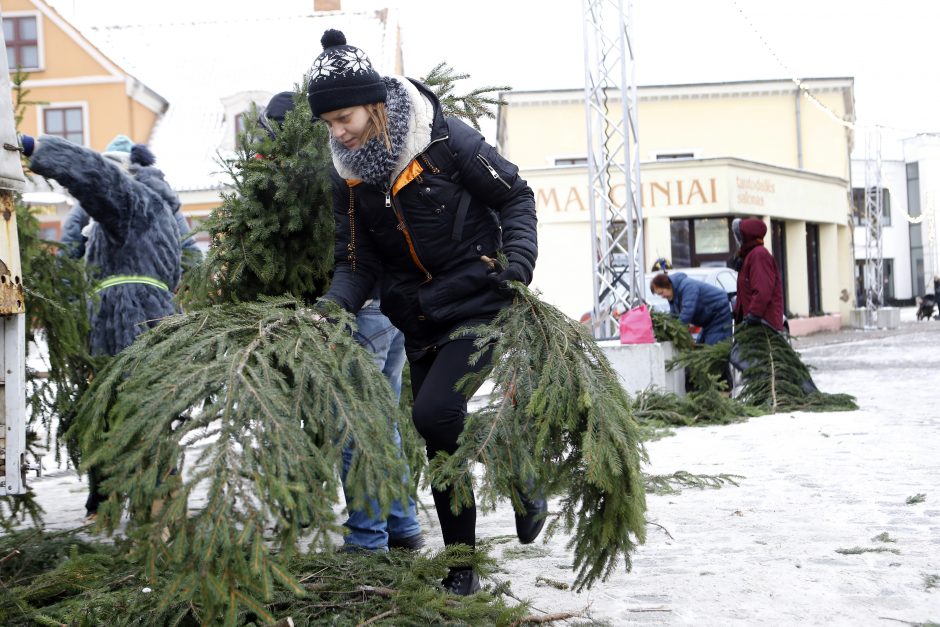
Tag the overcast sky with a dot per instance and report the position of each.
(890, 48)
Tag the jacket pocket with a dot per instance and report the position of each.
(443, 297)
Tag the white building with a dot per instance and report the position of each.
(910, 180)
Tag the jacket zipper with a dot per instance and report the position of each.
(402, 225)
(492, 171)
(407, 234)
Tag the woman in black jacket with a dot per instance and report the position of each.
(423, 206)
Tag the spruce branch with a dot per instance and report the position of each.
(282, 390)
(558, 420)
(471, 106)
(775, 377)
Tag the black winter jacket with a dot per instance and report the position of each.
(432, 279)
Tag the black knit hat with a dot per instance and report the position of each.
(342, 76)
(275, 111)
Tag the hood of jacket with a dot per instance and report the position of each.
(753, 231)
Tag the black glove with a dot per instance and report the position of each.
(501, 279)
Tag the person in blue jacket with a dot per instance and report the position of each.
(696, 303)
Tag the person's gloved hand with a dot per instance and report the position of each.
(500, 279)
(28, 144)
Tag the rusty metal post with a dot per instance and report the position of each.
(12, 306)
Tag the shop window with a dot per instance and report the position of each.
(700, 242)
(858, 205)
(22, 39)
(65, 122)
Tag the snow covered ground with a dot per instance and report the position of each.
(764, 552)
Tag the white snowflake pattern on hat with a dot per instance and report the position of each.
(341, 63)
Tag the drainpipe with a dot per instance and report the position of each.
(799, 131)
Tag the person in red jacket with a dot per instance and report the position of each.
(760, 287)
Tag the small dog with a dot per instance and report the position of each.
(925, 305)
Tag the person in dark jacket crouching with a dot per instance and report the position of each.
(368, 529)
(423, 205)
(696, 303)
(133, 242)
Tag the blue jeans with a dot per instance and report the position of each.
(387, 345)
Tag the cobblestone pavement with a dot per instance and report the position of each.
(763, 552)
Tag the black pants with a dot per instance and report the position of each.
(438, 414)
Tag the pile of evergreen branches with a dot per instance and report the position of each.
(776, 379)
(60, 579)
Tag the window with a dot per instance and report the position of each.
(570, 161)
(240, 124)
(700, 242)
(858, 205)
(915, 232)
(672, 156)
(22, 39)
(861, 281)
(65, 122)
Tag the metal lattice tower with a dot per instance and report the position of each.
(613, 162)
(874, 257)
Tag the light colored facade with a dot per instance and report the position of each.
(910, 176)
(711, 152)
(208, 71)
(79, 92)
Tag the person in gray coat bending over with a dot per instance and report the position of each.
(133, 243)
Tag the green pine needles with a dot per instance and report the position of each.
(273, 234)
(776, 379)
(558, 419)
(268, 393)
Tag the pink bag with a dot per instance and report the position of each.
(636, 326)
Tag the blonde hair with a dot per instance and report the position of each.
(377, 125)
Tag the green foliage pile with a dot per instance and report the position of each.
(775, 377)
(56, 579)
(275, 391)
(773, 381)
(708, 400)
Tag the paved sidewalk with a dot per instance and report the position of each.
(762, 553)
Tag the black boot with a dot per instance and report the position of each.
(529, 524)
(462, 582)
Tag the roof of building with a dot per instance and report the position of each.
(202, 65)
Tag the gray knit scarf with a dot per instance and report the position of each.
(373, 162)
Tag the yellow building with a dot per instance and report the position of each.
(211, 72)
(709, 153)
(81, 94)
